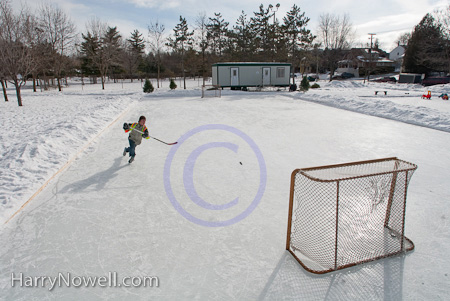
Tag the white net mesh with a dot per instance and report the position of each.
(211, 91)
(348, 214)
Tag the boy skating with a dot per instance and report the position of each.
(137, 130)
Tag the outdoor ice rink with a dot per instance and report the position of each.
(101, 215)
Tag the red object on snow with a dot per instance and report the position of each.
(427, 96)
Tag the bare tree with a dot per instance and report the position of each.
(16, 56)
(443, 20)
(43, 58)
(2, 72)
(403, 39)
(156, 36)
(3, 75)
(59, 34)
(335, 34)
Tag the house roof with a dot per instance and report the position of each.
(378, 60)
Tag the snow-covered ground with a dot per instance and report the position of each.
(100, 215)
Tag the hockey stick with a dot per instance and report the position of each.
(154, 137)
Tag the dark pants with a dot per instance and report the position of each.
(132, 148)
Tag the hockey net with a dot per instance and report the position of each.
(347, 214)
(211, 91)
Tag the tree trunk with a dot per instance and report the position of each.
(4, 90)
(159, 70)
(19, 96)
(34, 84)
(203, 67)
(332, 69)
(59, 84)
(182, 69)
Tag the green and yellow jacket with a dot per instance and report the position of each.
(137, 132)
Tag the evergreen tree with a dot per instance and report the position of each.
(304, 84)
(261, 28)
(274, 33)
(137, 42)
(181, 42)
(172, 84)
(111, 51)
(101, 53)
(425, 51)
(243, 39)
(90, 47)
(297, 36)
(134, 52)
(217, 33)
(148, 87)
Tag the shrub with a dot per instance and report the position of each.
(315, 86)
(304, 85)
(148, 87)
(172, 85)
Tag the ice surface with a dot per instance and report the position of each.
(103, 215)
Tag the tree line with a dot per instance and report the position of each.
(45, 47)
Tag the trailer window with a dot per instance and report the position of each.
(280, 72)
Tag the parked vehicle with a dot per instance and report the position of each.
(344, 75)
(386, 79)
(430, 81)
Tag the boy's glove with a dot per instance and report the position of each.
(145, 135)
(126, 126)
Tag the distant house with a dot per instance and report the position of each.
(359, 59)
(397, 55)
(348, 66)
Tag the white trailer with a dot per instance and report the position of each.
(243, 75)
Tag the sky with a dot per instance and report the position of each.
(388, 19)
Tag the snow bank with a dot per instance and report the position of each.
(40, 137)
(403, 102)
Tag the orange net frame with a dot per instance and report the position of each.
(347, 214)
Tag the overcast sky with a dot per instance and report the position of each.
(386, 18)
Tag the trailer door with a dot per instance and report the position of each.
(235, 76)
(266, 76)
